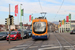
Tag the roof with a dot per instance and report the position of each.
(69, 21)
(1, 25)
(26, 25)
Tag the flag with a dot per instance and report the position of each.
(58, 26)
(15, 14)
(22, 10)
(29, 18)
(32, 18)
(62, 22)
(16, 10)
(67, 18)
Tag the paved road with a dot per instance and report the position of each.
(2, 41)
(56, 41)
(4, 45)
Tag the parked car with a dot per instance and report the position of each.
(3, 35)
(14, 35)
(72, 32)
(21, 30)
(29, 32)
(56, 31)
(26, 35)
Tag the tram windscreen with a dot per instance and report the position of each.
(39, 27)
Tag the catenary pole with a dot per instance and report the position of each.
(9, 25)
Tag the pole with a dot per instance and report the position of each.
(70, 24)
(64, 26)
(59, 29)
(9, 25)
(18, 17)
(23, 17)
(21, 24)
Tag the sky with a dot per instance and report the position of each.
(32, 7)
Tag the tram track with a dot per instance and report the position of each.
(35, 45)
(55, 42)
(29, 45)
(62, 42)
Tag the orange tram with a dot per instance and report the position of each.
(40, 28)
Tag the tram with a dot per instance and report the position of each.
(40, 28)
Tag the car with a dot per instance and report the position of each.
(21, 30)
(26, 35)
(56, 31)
(72, 32)
(14, 35)
(29, 32)
(3, 35)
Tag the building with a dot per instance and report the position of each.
(2, 27)
(27, 26)
(68, 26)
(52, 27)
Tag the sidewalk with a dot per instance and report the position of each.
(6, 45)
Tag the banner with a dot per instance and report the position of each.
(22, 11)
(29, 18)
(64, 21)
(67, 18)
(32, 18)
(60, 24)
(16, 10)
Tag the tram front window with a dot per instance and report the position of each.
(39, 27)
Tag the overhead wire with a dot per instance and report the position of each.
(59, 8)
(40, 5)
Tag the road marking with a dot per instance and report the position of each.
(52, 47)
(49, 48)
(16, 49)
(66, 46)
(33, 46)
(22, 45)
(46, 45)
(73, 45)
(20, 48)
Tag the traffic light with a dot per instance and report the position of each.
(7, 21)
(11, 19)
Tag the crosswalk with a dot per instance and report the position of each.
(43, 47)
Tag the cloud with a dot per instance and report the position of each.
(32, 7)
(70, 1)
(52, 1)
